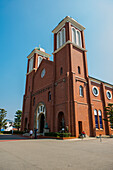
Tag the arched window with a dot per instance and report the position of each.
(61, 71)
(73, 35)
(39, 60)
(63, 36)
(81, 91)
(78, 69)
(31, 64)
(78, 39)
(60, 38)
(49, 96)
(100, 119)
(96, 119)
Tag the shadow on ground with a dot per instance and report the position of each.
(12, 137)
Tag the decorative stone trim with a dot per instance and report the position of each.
(96, 100)
(35, 51)
(69, 42)
(94, 81)
(80, 102)
(80, 79)
(42, 90)
(68, 19)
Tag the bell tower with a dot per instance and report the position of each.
(34, 62)
(70, 68)
(69, 35)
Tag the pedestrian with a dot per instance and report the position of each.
(35, 133)
(100, 137)
(31, 133)
(83, 134)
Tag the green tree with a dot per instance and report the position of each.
(17, 121)
(3, 122)
(109, 111)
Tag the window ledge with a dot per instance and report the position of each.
(69, 42)
(77, 46)
(31, 71)
(101, 129)
(82, 96)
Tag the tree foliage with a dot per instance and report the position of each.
(3, 122)
(109, 111)
(17, 120)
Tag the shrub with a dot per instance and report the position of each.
(54, 134)
(64, 134)
(17, 132)
(7, 132)
(57, 134)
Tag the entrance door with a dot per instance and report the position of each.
(41, 123)
(80, 127)
(61, 123)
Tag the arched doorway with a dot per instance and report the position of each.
(41, 123)
(39, 119)
(61, 122)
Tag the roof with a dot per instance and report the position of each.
(100, 81)
(68, 19)
(38, 51)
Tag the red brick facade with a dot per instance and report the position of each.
(52, 95)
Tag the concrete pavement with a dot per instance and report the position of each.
(49, 154)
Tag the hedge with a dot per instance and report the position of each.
(57, 134)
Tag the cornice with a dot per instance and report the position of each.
(69, 42)
(108, 86)
(95, 81)
(38, 52)
(100, 81)
(77, 78)
(72, 21)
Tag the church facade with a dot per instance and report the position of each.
(60, 93)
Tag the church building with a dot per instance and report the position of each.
(60, 93)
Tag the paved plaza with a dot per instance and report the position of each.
(49, 154)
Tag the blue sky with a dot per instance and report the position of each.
(25, 24)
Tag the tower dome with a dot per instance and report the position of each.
(39, 48)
